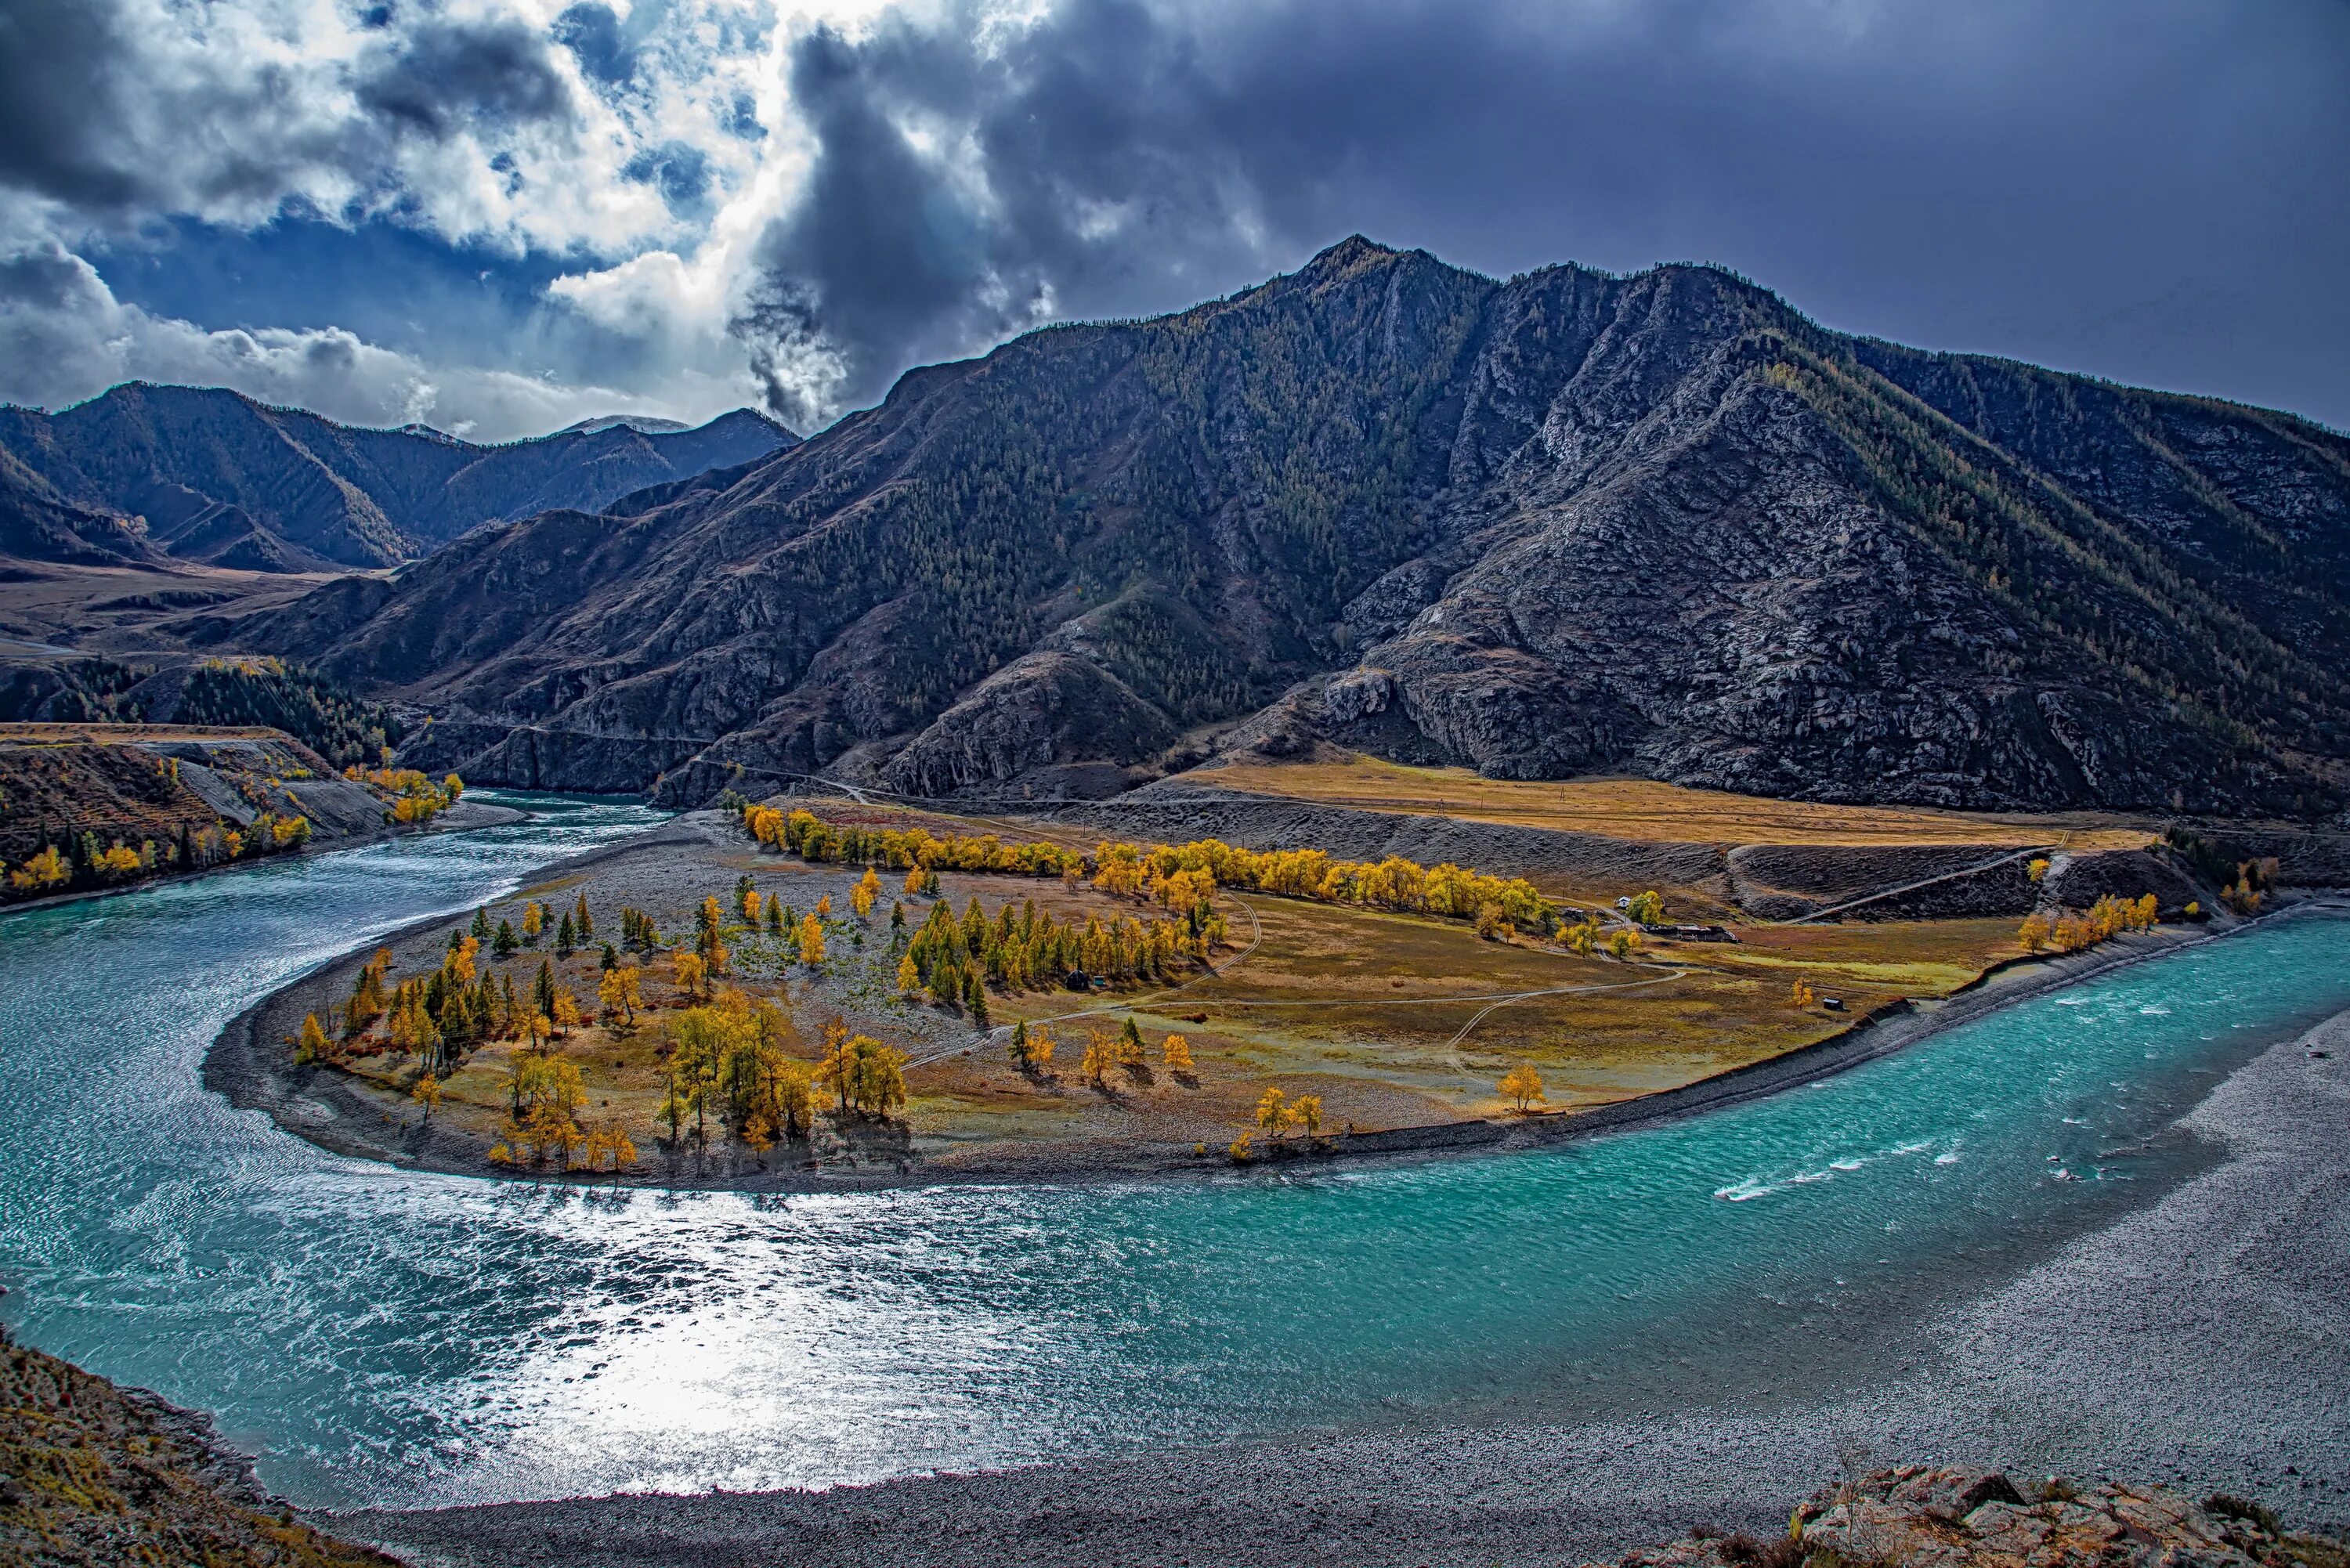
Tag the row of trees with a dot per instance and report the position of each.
(1106, 1049)
(440, 1016)
(2108, 917)
(953, 960)
(1587, 936)
(1393, 884)
(901, 849)
(1182, 876)
(85, 862)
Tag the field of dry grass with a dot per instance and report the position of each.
(1649, 811)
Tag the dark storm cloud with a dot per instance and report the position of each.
(57, 88)
(444, 74)
(2152, 190)
(110, 117)
(1102, 182)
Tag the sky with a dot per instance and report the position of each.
(499, 216)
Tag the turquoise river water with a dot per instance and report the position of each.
(385, 1337)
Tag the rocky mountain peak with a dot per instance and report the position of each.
(1569, 521)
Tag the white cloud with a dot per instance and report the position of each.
(65, 337)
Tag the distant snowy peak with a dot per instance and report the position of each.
(643, 424)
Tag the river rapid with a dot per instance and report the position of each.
(383, 1337)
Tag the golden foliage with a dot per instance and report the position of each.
(1522, 1085)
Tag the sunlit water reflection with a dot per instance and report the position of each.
(387, 1337)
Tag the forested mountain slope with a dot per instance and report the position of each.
(212, 476)
(1572, 522)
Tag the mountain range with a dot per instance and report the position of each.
(1566, 522)
(206, 475)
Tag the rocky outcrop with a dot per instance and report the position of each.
(1033, 716)
(1918, 1517)
(204, 474)
(1573, 521)
(93, 1474)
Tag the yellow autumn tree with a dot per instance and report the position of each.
(1175, 1054)
(811, 940)
(688, 972)
(621, 992)
(862, 896)
(427, 1093)
(1305, 1114)
(1273, 1111)
(1101, 1055)
(312, 1043)
(1525, 1086)
(1800, 995)
(43, 871)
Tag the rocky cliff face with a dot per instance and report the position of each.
(203, 475)
(1571, 522)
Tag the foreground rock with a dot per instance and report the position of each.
(1946, 1518)
(93, 1474)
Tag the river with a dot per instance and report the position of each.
(380, 1337)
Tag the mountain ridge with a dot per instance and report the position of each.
(1569, 521)
(207, 475)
